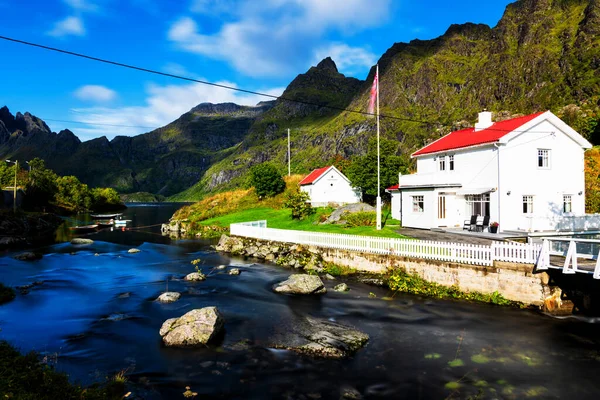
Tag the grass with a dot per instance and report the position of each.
(26, 377)
(7, 294)
(281, 219)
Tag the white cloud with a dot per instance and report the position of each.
(68, 26)
(274, 37)
(82, 5)
(95, 93)
(163, 104)
(348, 59)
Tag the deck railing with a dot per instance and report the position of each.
(423, 249)
(571, 249)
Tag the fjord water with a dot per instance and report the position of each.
(94, 315)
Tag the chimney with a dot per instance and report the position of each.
(485, 121)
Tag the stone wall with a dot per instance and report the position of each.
(515, 282)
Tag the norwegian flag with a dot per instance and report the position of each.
(374, 92)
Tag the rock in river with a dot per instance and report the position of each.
(323, 339)
(168, 297)
(234, 271)
(28, 256)
(81, 241)
(342, 287)
(195, 277)
(131, 251)
(301, 284)
(193, 328)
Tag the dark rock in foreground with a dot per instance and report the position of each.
(28, 256)
(323, 339)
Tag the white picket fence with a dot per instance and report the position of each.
(423, 249)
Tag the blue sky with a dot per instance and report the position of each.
(256, 45)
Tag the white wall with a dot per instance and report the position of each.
(423, 219)
(519, 174)
(331, 188)
(396, 199)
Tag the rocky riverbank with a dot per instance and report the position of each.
(24, 229)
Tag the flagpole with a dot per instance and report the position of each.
(289, 167)
(378, 162)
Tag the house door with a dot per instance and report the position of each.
(442, 209)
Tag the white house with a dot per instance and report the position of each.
(526, 173)
(328, 185)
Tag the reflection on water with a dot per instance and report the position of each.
(94, 315)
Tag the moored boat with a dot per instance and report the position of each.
(105, 216)
(84, 228)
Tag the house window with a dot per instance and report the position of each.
(527, 204)
(442, 163)
(543, 158)
(418, 204)
(451, 162)
(567, 205)
(478, 204)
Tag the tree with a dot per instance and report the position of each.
(73, 194)
(105, 198)
(299, 202)
(592, 180)
(362, 172)
(41, 186)
(267, 181)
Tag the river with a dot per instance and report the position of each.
(94, 315)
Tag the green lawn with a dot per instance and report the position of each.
(281, 219)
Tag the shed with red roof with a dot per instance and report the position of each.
(328, 185)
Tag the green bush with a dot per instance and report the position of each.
(299, 203)
(267, 181)
(402, 281)
(361, 218)
(26, 377)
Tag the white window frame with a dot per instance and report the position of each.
(478, 204)
(527, 204)
(418, 202)
(451, 162)
(543, 155)
(442, 163)
(567, 203)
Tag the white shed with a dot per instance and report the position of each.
(329, 186)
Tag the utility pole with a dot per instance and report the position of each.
(16, 162)
(289, 160)
(378, 163)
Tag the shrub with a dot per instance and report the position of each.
(267, 181)
(299, 203)
(362, 218)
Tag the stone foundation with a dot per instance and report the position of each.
(513, 281)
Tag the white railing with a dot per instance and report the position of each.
(571, 249)
(423, 249)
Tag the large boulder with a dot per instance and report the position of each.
(338, 214)
(301, 284)
(322, 339)
(194, 328)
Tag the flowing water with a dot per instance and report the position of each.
(94, 315)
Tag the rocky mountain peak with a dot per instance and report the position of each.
(327, 65)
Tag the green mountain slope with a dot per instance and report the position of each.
(543, 54)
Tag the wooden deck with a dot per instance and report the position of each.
(459, 235)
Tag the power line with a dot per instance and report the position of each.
(155, 72)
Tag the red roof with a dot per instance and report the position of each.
(313, 176)
(392, 188)
(468, 137)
